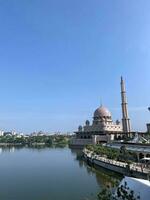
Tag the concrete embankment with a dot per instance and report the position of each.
(10, 144)
(118, 167)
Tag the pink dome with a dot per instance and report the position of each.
(102, 112)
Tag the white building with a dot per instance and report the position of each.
(1, 133)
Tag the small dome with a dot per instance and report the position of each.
(102, 112)
(117, 122)
(80, 128)
(87, 122)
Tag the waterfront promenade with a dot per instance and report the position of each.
(135, 169)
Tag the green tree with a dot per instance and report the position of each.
(123, 192)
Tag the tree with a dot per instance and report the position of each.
(124, 154)
(123, 192)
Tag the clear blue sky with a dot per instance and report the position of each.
(60, 58)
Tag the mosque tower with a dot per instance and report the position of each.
(125, 118)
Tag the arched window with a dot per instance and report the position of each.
(148, 155)
(141, 155)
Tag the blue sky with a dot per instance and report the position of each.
(60, 59)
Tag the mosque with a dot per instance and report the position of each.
(103, 128)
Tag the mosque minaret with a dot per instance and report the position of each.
(103, 128)
(125, 117)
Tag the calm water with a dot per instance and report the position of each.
(47, 174)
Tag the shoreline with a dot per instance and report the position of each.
(31, 144)
(112, 165)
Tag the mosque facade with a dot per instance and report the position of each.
(103, 128)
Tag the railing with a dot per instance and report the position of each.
(138, 167)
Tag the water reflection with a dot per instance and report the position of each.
(39, 148)
(104, 177)
(52, 172)
(10, 149)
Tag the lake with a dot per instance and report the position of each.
(48, 174)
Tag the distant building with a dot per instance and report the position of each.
(1, 133)
(7, 134)
(14, 133)
(40, 133)
(34, 134)
(148, 128)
